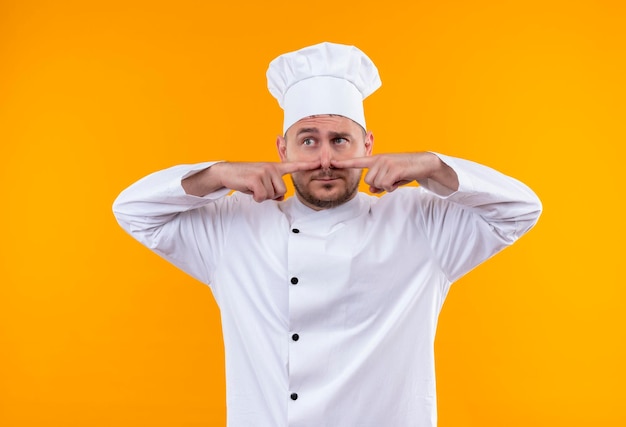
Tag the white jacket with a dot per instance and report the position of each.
(329, 317)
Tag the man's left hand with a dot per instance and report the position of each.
(386, 172)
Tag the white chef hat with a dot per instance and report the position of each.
(326, 78)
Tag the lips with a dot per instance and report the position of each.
(326, 177)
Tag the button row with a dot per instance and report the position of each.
(295, 337)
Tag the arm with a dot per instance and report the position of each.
(488, 212)
(470, 211)
(158, 213)
(181, 213)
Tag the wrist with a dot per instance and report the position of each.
(441, 173)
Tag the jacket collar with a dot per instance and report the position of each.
(327, 220)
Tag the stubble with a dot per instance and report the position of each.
(303, 192)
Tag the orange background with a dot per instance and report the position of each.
(97, 331)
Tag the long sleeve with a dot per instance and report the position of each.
(488, 212)
(371, 276)
(158, 213)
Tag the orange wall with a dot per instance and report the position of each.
(97, 331)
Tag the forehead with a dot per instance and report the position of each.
(325, 123)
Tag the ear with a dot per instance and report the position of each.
(281, 146)
(369, 143)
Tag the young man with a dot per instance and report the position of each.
(329, 300)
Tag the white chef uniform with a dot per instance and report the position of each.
(329, 317)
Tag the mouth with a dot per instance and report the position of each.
(326, 177)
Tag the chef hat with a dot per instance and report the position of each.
(326, 78)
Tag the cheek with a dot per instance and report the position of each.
(295, 154)
(355, 175)
(300, 177)
(355, 150)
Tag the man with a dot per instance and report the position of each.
(329, 300)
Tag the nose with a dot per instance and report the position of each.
(325, 156)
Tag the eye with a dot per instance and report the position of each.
(340, 141)
(308, 142)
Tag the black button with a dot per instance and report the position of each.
(295, 230)
(294, 280)
(294, 396)
(295, 337)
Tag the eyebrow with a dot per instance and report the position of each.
(315, 130)
(345, 135)
(307, 130)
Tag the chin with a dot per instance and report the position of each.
(324, 195)
(329, 195)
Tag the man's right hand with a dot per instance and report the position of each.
(264, 181)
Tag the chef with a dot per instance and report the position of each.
(329, 299)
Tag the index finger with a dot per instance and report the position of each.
(357, 162)
(290, 167)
